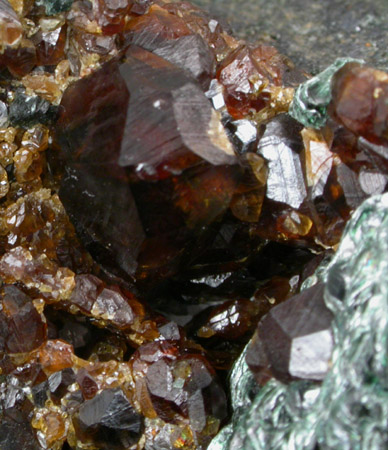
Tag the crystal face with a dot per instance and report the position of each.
(285, 182)
(312, 98)
(111, 417)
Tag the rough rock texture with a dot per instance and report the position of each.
(313, 33)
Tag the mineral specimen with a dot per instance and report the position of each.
(348, 409)
(312, 98)
(156, 202)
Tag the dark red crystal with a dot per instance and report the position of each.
(22, 328)
(294, 340)
(164, 132)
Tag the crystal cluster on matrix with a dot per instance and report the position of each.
(156, 201)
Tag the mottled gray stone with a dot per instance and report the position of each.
(313, 33)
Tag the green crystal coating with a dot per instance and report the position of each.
(349, 410)
(54, 7)
(242, 396)
(309, 105)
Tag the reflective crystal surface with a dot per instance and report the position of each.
(294, 340)
(279, 146)
(312, 97)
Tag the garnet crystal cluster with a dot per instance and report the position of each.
(157, 200)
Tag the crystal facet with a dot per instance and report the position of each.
(309, 105)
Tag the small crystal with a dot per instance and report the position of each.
(280, 146)
(359, 101)
(26, 111)
(294, 339)
(312, 97)
(110, 409)
(10, 26)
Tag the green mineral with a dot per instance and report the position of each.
(309, 106)
(54, 7)
(349, 409)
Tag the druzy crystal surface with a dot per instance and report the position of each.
(159, 206)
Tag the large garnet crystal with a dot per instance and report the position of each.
(148, 164)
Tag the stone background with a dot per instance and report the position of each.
(313, 33)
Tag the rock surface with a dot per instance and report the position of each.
(312, 33)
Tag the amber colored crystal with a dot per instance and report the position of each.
(21, 60)
(201, 23)
(319, 159)
(112, 15)
(87, 384)
(55, 355)
(6, 153)
(155, 27)
(248, 199)
(231, 320)
(249, 76)
(4, 185)
(53, 426)
(11, 29)
(195, 183)
(50, 46)
(113, 306)
(27, 164)
(53, 281)
(36, 137)
(44, 85)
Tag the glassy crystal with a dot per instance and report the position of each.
(280, 145)
(22, 327)
(312, 97)
(10, 26)
(50, 46)
(20, 60)
(250, 77)
(178, 388)
(110, 420)
(3, 115)
(163, 126)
